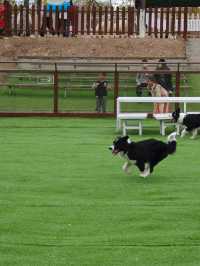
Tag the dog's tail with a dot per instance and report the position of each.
(171, 139)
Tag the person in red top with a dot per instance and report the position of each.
(2, 20)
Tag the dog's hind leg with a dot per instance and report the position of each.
(141, 166)
(146, 170)
(184, 132)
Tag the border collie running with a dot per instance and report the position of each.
(190, 122)
(144, 154)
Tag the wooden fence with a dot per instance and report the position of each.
(160, 23)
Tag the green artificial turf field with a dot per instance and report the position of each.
(65, 200)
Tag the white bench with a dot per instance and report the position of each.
(137, 117)
(164, 119)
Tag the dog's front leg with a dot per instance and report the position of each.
(126, 167)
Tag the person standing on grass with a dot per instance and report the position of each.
(100, 87)
(158, 91)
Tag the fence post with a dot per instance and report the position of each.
(173, 21)
(161, 22)
(106, 20)
(150, 22)
(55, 91)
(156, 22)
(33, 19)
(111, 20)
(167, 24)
(116, 88)
(88, 20)
(93, 20)
(15, 19)
(21, 21)
(39, 18)
(27, 21)
(82, 20)
(185, 23)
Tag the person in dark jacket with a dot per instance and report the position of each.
(164, 79)
(100, 87)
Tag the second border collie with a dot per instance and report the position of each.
(144, 154)
(190, 122)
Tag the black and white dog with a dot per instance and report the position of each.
(189, 122)
(144, 154)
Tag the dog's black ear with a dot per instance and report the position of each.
(126, 137)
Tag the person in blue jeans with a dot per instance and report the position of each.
(101, 93)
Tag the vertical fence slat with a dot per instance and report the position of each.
(173, 21)
(43, 30)
(57, 21)
(82, 20)
(138, 22)
(21, 21)
(133, 19)
(111, 20)
(106, 20)
(123, 19)
(93, 20)
(39, 19)
(27, 21)
(88, 21)
(185, 23)
(15, 19)
(179, 20)
(117, 20)
(156, 22)
(150, 22)
(100, 20)
(167, 23)
(161, 22)
(33, 19)
(50, 21)
(129, 21)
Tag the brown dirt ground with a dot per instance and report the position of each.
(126, 48)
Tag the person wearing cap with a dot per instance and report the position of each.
(164, 79)
(158, 91)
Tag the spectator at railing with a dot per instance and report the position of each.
(164, 79)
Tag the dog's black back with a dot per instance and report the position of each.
(190, 121)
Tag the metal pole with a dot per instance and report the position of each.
(116, 88)
(55, 95)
